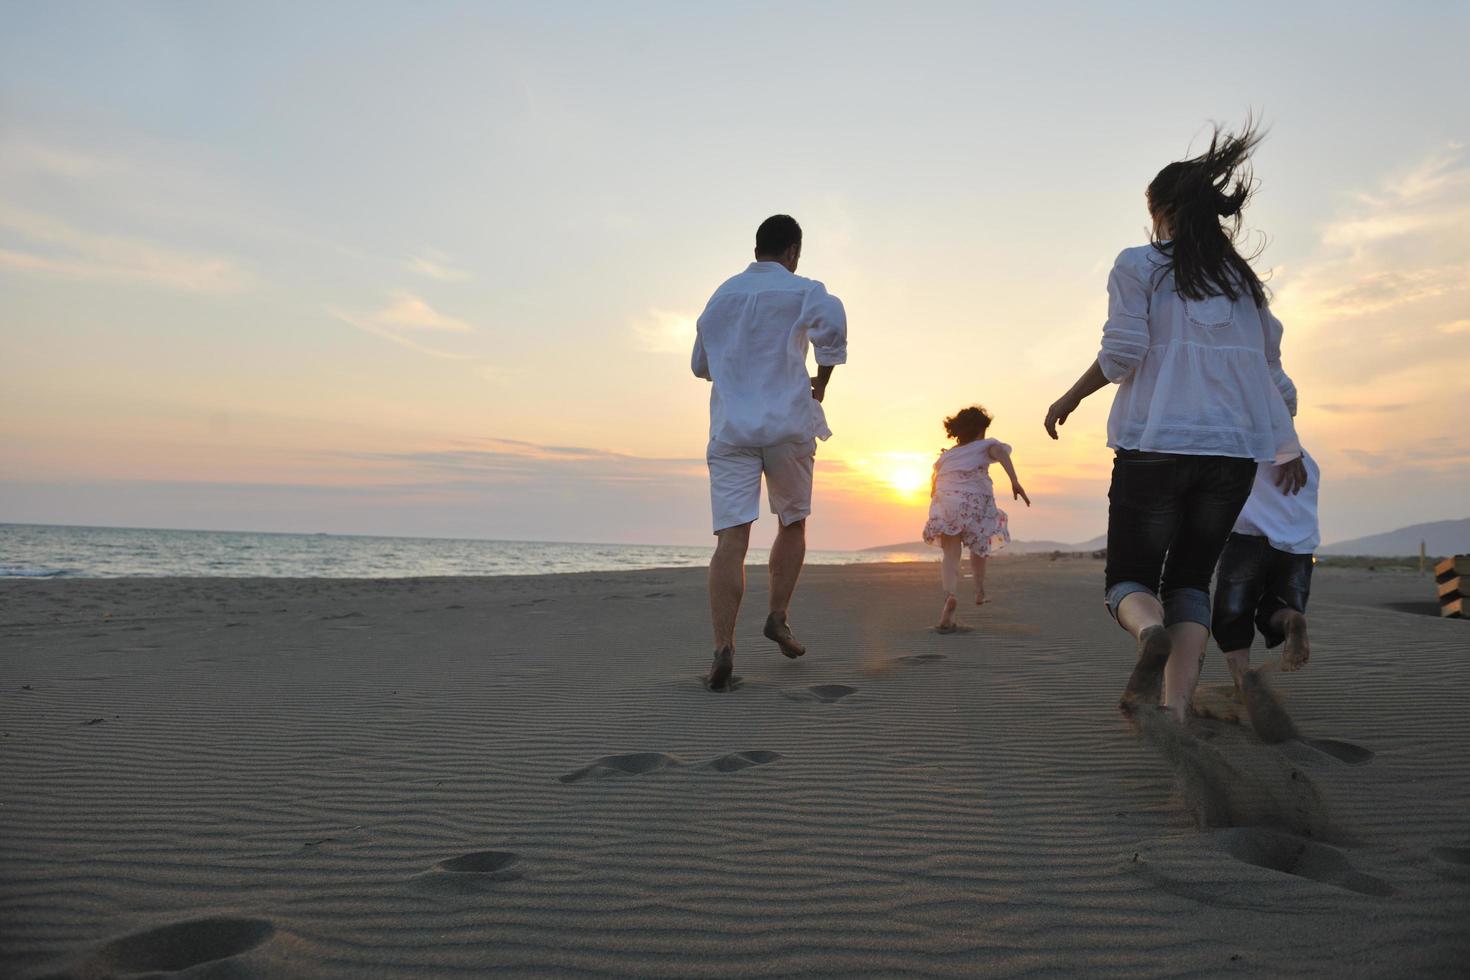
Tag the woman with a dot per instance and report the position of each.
(1201, 399)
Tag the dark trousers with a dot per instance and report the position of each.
(1168, 518)
(1254, 582)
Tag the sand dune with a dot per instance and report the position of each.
(271, 778)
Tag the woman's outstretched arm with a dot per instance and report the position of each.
(1092, 379)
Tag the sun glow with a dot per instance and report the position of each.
(908, 479)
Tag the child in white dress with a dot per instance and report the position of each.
(962, 507)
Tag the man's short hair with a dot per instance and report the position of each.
(776, 234)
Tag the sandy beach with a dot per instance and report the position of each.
(439, 777)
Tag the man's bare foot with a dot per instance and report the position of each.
(946, 616)
(1298, 648)
(778, 631)
(1147, 680)
(980, 599)
(720, 671)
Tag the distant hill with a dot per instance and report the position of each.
(1015, 547)
(1440, 538)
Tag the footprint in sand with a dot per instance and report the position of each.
(824, 693)
(736, 761)
(1345, 752)
(1293, 855)
(614, 766)
(471, 872)
(1453, 855)
(880, 667)
(179, 946)
(1452, 862)
(1228, 779)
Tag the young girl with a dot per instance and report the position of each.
(1202, 398)
(962, 507)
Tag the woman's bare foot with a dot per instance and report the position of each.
(946, 616)
(1147, 680)
(1298, 649)
(980, 599)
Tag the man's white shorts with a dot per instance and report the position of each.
(735, 481)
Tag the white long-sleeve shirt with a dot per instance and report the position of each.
(1287, 521)
(751, 342)
(1196, 377)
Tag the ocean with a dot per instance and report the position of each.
(42, 551)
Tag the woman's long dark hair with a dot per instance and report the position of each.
(1201, 198)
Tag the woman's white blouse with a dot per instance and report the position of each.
(1195, 377)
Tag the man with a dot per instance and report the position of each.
(765, 417)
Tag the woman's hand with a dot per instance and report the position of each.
(1291, 477)
(1019, 493)
(1057, 414)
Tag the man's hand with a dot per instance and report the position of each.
(1291, 477)
(1057, 414)
(819, 388)
(1019, 493)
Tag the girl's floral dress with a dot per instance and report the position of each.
(963, 504)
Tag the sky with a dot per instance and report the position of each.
(433, 268)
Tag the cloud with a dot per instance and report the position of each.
(1349, 409)
(435, 265)
(1388, 287)
(52, 247)
(414, 313)
(404, 314)
(664, 332)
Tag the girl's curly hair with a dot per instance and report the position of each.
(968, 424)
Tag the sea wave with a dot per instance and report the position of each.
(23, 571)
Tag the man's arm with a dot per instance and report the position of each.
(819, 383)
(699, 362)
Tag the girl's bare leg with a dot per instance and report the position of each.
(977, 567)
(949, 577)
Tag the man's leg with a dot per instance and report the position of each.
(788, 469)
(735, 488)
(727, 582)
(788, 552)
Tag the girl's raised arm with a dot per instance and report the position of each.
(1001, 453)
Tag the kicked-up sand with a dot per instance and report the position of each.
(431, 778)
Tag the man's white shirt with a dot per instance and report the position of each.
(751, 341)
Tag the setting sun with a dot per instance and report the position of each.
(908, 479)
